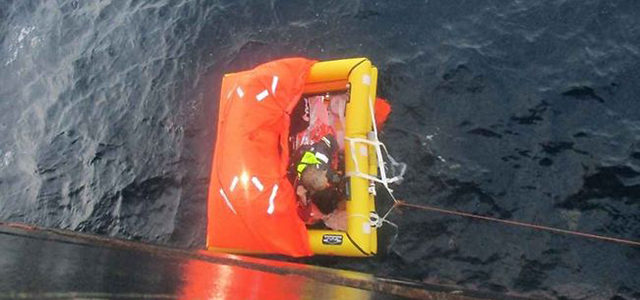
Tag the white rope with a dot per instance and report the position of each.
(378, 222)
(373, 219)
(381, 164)
(383, 180)
(365, 176)
(353, 154)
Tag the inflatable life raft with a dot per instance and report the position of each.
(252, 204)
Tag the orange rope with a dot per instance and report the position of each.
(516, 223)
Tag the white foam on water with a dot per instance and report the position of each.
(14, 49)
(6, 158)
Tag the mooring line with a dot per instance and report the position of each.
(516, 223)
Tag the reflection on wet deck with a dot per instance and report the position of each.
(50, 263)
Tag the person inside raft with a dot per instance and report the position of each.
(317, 184)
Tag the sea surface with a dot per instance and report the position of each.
(521, 110)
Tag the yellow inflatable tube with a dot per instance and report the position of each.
(359, 77)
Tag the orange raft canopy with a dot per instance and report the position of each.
(252, 205)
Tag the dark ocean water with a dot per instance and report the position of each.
(523, 110)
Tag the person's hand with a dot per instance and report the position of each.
(302, 193)
(337, 220)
